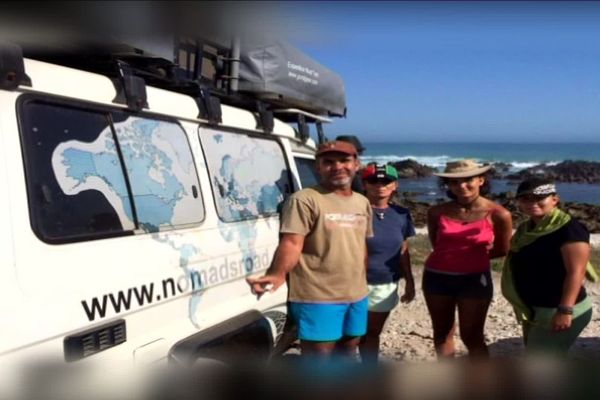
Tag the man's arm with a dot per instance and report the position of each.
(286, 258)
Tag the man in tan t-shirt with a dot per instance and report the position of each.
(323, 248)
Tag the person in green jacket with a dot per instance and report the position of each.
(544, 271)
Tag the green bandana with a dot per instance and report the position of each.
(524, 236)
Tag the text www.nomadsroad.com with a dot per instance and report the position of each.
(146, 294)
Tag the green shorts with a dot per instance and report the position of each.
(383, 297)
(538, 334)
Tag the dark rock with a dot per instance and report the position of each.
(502, 166)
(566, 171)
(587, 214)
(418, 209)
(411, 195)
(411, 169)
(494, 174)
(499, 169)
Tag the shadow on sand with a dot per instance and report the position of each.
(585, 348)
(510, 347)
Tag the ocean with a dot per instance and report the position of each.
(519, 155)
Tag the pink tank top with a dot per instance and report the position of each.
(462, 247)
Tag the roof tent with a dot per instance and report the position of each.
(282, 75)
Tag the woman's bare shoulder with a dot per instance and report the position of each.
(498, 212)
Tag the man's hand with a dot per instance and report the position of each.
(409, 292)
(285, 259)
(266, 283)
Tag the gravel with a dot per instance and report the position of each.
(407, 335)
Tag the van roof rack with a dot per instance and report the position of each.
(206, 70)
(200, 69)
(289, 115)
(302, 119)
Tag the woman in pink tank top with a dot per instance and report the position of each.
(465, 234)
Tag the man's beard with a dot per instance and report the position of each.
(340, 182)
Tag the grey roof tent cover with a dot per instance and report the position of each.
(281, 74)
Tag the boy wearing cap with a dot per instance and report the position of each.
(323, 248)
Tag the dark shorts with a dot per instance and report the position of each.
(479, 285)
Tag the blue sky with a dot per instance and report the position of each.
(458, 71)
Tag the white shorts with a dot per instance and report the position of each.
(383, 297)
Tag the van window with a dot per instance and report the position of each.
(306, 171)
(249, 175)
(75, 169)
(161, 172)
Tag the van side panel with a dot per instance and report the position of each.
(8, 285)
(6, 243)
(166, 285)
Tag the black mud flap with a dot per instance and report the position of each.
(245, 337)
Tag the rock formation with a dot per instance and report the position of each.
(410, 169)
(566, 171)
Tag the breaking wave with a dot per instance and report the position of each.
(440, 161)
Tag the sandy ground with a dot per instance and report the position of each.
(408, 335)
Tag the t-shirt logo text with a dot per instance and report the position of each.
(340, 220)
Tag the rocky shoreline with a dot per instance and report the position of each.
(588, 214)
(567, 171)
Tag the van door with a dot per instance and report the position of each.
(250, 179)
(107, 219)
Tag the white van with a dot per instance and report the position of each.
(127, 233)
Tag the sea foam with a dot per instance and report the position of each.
(441, 160)
(432, 161)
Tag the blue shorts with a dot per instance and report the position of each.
(328, 322)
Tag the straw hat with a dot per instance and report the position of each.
(463, 169)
